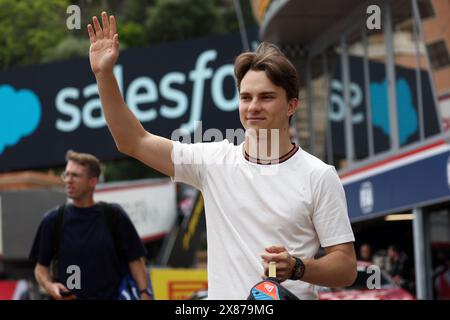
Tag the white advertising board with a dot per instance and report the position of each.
(150, 204)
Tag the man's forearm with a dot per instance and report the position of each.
(139, 273)
(124, 126)
(42, 275)
(336, 269)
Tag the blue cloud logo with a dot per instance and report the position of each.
(20, 114)
(407, 115)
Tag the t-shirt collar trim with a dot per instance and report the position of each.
(282, 159)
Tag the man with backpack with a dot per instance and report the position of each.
(88, 250)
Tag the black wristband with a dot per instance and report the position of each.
(299, 269)
(146, 291)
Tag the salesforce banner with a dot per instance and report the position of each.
(47, 109)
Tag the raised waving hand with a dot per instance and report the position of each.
(104, 39)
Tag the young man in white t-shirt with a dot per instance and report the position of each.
(266, 199)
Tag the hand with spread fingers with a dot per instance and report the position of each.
(284, 262)
(104, 39)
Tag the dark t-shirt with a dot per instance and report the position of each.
(88, 243)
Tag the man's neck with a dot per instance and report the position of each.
(83, 203)
(268, 147)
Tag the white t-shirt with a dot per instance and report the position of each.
(299, 204)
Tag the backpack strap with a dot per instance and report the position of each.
(59, 225)
(111, 218)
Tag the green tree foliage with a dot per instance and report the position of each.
(136, 10)
(70, 47)
(170, 20)
(28, 28)
(34, 31)
(128, 169)
(230, 17)
(131, 34)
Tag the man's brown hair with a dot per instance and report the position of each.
(274, 63)
(87, 160)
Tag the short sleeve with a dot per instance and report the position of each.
(130, 243)
(191, 160)
(42, 250)
(330, 217)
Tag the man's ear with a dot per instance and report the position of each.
(93, 181)
(293, 105)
